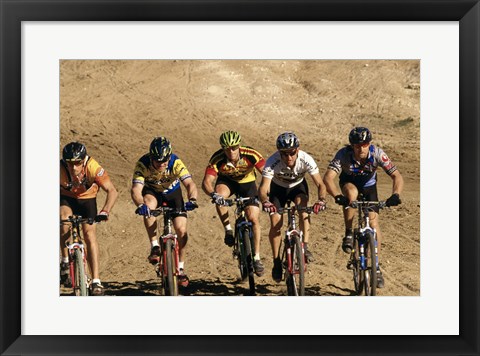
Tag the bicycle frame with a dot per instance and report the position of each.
(77, 243)
(364, 273)
(243, 243)
(168, 234)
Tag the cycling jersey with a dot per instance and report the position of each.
(162, 182)
(85, 186)
(364, 175)
(242, 172)
(286, 177)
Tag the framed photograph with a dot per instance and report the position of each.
(115, 75)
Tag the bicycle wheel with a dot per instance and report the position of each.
(242, 261)
(355, 267)
(247, 242)
(171, 284)
(80, 287)
(373, 264)
(298, 265)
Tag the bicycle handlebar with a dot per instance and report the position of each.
(307, 209)
(367, 204)
(163, 209)
(79, 220)
(240, 201)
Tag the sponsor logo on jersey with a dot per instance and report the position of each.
(101, 173)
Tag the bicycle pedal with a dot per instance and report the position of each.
(349, 265)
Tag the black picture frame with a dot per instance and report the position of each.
(13, 12)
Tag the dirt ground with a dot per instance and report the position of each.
(116, 108)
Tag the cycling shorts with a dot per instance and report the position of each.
(86, 208)
(369, 193)
(243, 190)
(173, 200)
(280, 195)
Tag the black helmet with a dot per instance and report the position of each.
(74, 151)
(360, 135)
(287, 141)
(160, 149)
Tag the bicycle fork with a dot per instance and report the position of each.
(161, 268)
(291, 268)
(364, 236)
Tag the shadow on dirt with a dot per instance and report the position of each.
(344, 291)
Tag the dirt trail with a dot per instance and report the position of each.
(117, 107)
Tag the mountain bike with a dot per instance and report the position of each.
(293, 255)
(364, 256)
(167, 269)
(244, 247)
(77, 254)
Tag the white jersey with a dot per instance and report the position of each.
(287, 177)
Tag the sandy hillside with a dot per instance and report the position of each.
(117, 107)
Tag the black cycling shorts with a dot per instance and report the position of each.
(173, 200)
(241, 190)
(369, 193)
(86, 208)
(280, 195)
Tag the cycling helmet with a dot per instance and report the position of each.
(360, 135)
(230, 138)
(74, 151)
(160, 149)
(287, 141)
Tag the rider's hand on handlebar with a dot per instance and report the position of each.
(341, 200)
(269, 207)
(102, 216)
(217, 199)
(394, 200)
(143, 210)
(191, 204)
(319, 206)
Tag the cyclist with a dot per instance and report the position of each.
(80, 177)
(156, 181)
(357, 164)
(233, 167)
(282, 180)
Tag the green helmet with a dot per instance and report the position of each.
(230, 138)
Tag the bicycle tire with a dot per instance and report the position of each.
(80, 287)
(249, 259)
(172, 279)
(242, 265)
(298, 265)
(373, 265)
(355, 267)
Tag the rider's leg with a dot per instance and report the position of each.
(65, 212)
(89, 233)
(222, 212)
(253, 213)
(276, 222)
(150, 222)
(302, 201)
(180, 226)
(351, 192)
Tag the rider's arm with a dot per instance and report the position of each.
(191, 187)
(208, 184)
(136, 193)
(397, 182)
(329, 180)
(112, 195)
(322, 189)
(264, 189)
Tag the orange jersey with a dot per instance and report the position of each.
(243, 171)
(85, 186)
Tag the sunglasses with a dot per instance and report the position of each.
(288, 153)
(232, 148)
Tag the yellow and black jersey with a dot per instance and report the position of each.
(162, 182)
(242, 172)
(85, 185)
